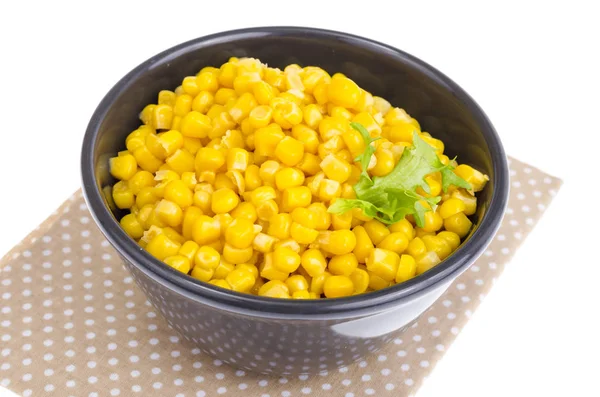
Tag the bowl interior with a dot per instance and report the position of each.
(442, 108)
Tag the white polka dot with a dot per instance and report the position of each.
(178, 382)
(136, 388)
(417, 338)
(447, 303)
(405, 367)
(199, 379)
(401, 353)
(366, 377)
(157, 385)
(408, 382)
(135, 373)
(346, 382)
(285, 393)
(115, 392)
(454, 330)
(370, 392)
(349, 394)
(424, 364)
(242, 386)
(48, 357)
(220, 375)
(262, 383)
(70, 368)
(49, 387)
(154, 356)
(326, 386)
(221, 390)
(113, 361)
(27, 393)
(134, 359)
(156, 371)
(389, 386)
(70, 383)
(92, 379)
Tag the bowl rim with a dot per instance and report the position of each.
(447, 270)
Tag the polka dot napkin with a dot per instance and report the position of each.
(73, 323)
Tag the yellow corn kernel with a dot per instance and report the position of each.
(318, 282)
(242, 107)
(305, 217)
(195, 125)
(162, 117)
(155, 147)
(320, 93)
(297, 283)
(132, 226)
(224, 95)
(458, 223)
(237, 179)
(323, 218)
(477, 179)
(274, 289)
(249, 268)
(332, 145)
(426, 262)
(289, 151)
(189, 249)
(381, 105)
(169, 212)
(215, 110)
(260, 116)
(335, 168)
(396, 116)
(301, 295)
(286, 260)
(145, 196)
(207, 81)
(267, 138)
(262, 194)
(343, 92)
(219, 283)
(338, 287)
(205, 230)
(402, 132)
(288, 177)
(468, 200)
(122, 195)
(205, 275)
(240, 280)
(309, 164)
(183, 105)
(403, 226)
(438, 245)
(376, 230)
(228, 72)
(173, 235)
(178, 192)
(407, 268)
(178, 262)
(332, 126)
(312, 116)
(383, 263)
(329, 189)
(245, 82)
(313, 262)
(269, 271)
(416, 247)
(266, 210)
(166, 176)
(223, 269)
(451, 238)
(294, 197)
(360, 280)
(337, 242)
(137, 138)
(341, 221)
(286, 113)
(190, 86)
(419, 232)
(189, 179)
(263, 92)
(364, 245)
(385, 162)
(123, 167)
(303, 234)
(343, 264)
(367, 121)
(245, 210)
(166, 97)
(338, 111)
(263, 243)
(252, 177)
(224, 221)
(147, 115)
(222, 181)
(162, 247)
(146, 160)
(436, 144)
(240, 233)
(209, 159)
(237, 255)
(220, 124)
(433, 222)
(397, 242)
(268, 170)
(366, 103)
(203, 101)
(181, 161)
(307, 136)
(450, 207)
(203, 200)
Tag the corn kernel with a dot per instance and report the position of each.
(266, 210)
(338, 287)
(263, 242)
(289, 151)
(204, 274)
(343, 264)
(209, 159)
(268, 170)
(407, 268)
(178, 262)
(132, 226)
(468, 200)
(195, 125)
(240, 280)
(416, 247)
(329, 189)
(313, 262)
(383, 263)
(451, 238)
(123, 167)
(274, 289)
(303, 234)
(269, 271)
(294, 197)
(122, 195)
(169, 212)
(335, 168)
(223, 269)
(426, 262)
(177, 192)
(146, 160)
(267, 138)
(458, 223)
(337, 242)
(205, 230)
(240, 233)
(288, 177)
(360, 280)
(343, 92)
(162, 247)
(376, 230)
(318, 282)
(396, 242)
(207, 81)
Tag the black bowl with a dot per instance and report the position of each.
(293, 336)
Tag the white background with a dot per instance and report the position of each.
(530, 66)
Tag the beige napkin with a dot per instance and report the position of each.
(73, 323)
